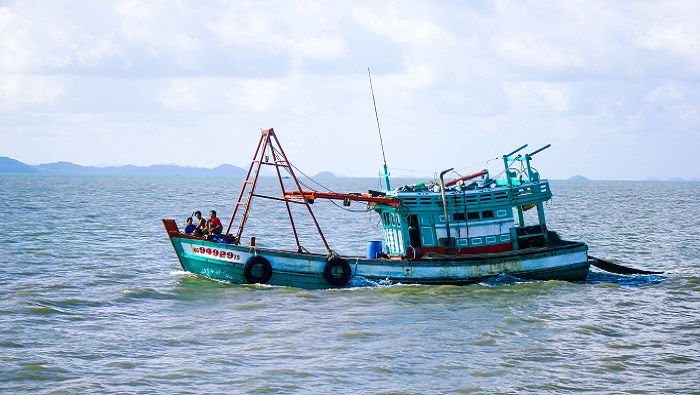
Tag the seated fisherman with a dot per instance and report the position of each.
(190, 226)
(201, 227)
(214, 226)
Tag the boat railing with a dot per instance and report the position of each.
(532, 193)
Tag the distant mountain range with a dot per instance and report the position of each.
(674, 179)
(9, 165)
(13, 166)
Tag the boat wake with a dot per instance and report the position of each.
(362, 282)
(599, 277)
(503, 280)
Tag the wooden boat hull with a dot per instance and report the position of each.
(227, 262)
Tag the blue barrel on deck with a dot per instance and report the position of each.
(374, 249)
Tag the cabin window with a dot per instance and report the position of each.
(487, 214)
(458, 217)
(473, 216)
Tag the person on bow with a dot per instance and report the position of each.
(190, 226)
(214, 226)
(201, 227)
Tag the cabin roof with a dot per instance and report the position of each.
(528, 193)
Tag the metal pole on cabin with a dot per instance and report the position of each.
(529, 156)
(448, 242)
(506, 164)
(540, 207)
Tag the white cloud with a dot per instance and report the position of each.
(258, 95)
(32, 42)
(682, 40)
(222, 95)
(18, 52)
(538, 96)
(163, 30)
(669, 92)
(426, 45)
(18, 90)
(301, 30)
(95, 50)
(180, 95)
(402, 23)
(478, 72)
(524, 50)
(318, 47)
(241, 26)
(675, 102)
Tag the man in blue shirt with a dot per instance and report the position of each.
(190, 226)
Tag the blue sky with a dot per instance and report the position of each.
(613, 86)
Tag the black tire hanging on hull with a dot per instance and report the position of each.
(257, 270)
(337, 272)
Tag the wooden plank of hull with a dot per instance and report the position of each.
(226, 262)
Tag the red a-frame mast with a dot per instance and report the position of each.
(270, 153)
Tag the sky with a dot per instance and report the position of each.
(612, 85)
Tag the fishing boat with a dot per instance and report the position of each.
(451, 231)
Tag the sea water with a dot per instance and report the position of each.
(93, 300)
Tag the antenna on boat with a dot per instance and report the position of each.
(384, 175)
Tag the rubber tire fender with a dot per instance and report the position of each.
(330, 272)
(266, 270)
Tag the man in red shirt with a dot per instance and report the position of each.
(214, 224)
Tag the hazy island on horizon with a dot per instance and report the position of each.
(13, 166)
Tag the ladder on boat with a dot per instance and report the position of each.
(270, 153)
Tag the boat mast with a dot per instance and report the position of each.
(269, 146)
(384, 175)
